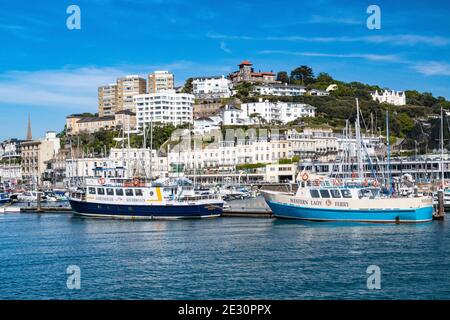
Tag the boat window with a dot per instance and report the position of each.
(346, 193)
(129, 192)
(100, 191)
(119, 192)
(109, 191)
(324, 193)
(138, 192)
(91, 190)
(335, 193)
(314, 193)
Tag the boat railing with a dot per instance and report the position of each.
(200, 197)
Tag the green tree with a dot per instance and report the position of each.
(188, 86)
(283, 77)
(244, 89)
(302, 74)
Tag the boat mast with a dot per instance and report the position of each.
(151, 148)
(442, 149)
(388, 153)
(358, 142)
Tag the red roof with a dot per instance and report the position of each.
(245, 63)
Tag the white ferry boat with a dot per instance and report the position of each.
(135, 199)
(325, 201)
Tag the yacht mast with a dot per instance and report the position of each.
(358, 142)
(442, 149)
(388, 153)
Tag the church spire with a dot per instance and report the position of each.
(29, 135)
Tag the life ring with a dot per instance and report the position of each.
(136, 182)
(353, 175)
(376, 183)
(365, 183)
(305, 177)
(102, 181)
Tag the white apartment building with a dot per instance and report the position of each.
(164, 107)
(266, 111)
(10, 173)
(160, 81)
(139, 162)
(323, 145)
(212, 87)
(314, 143)
(397, 98)
(281, 90)
(229, 154)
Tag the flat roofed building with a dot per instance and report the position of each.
(107, 100)
(127, 88)
(160, 81)
(164, 107)
(211, 87)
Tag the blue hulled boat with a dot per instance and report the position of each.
(326, 202)
(4, 198)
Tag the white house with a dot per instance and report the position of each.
(282, 90)
(164, 107)
(213, 87)
(266, 111)
(283, 112)
(206, 124)
(233, 116)
(397, 98)
(318, 93)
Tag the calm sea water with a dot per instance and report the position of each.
(225, 258)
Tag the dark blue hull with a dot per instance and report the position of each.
(146, 211)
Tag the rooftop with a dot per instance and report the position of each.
(245, 63)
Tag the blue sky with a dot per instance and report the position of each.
(50, 71)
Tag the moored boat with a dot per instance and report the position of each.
(137, 200)
(4, 198)
(327, 202)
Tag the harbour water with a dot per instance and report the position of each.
(223, 258)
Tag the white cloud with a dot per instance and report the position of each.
(76, 88)
(64, 88)
(401, 39)
(317, 19)
(432, 68)
(224, 47)
(366, 56)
